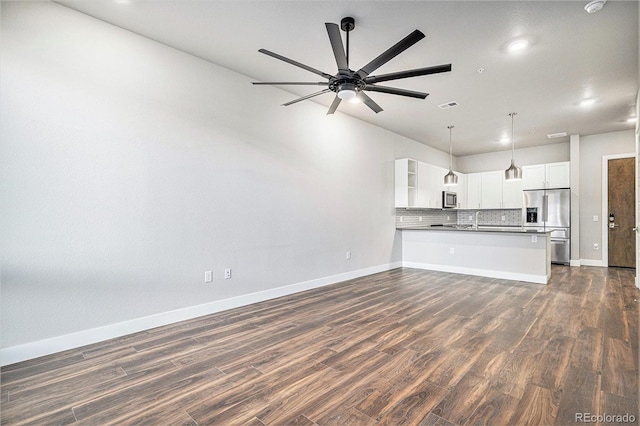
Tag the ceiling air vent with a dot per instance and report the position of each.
(557, 135)
(448, 105)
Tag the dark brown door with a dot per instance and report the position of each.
(621, 220)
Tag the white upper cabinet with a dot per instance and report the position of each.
(460, 189)
(558, 175)
(406, 182)
(434, 184)
(474, 181)
(511, 193)
(533, 177)
(544, 176)
(491, 190)
(420, 184)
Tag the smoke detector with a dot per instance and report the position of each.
(594, 6)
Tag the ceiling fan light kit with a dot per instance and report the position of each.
(352, 85)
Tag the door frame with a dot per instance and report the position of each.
(605, 204)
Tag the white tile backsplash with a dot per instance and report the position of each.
(426, 217)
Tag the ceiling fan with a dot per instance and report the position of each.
(348, 84)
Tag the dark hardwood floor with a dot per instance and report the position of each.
(400, 347)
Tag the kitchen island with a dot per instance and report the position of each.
(508, 253)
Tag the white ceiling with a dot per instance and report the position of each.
(573, 55)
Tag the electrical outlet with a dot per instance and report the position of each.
(534, 238)
(470, 217)
(419, 218)
(503, 218)
(595, 218)
(448, 218)
(451, 250)
(227, 273)
(348, 255)
(401, 218)
(208, 276)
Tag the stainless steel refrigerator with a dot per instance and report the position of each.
(549, 210)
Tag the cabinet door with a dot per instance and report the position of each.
(422, 190)
(474, 190)
(406, 182)
(491, 190)
(461, 190)
(435, 185)
(401, 183)
(511, 194)
(558, 175)
(533, 177)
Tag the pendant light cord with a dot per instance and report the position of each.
(450, 149)
(513, 138)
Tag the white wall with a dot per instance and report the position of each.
(128, 168)
(500, 160)
(592, 149)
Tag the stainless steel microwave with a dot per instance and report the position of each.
(449, 200)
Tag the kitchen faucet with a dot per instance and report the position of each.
(477, 214)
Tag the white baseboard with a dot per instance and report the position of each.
(538, 279)
(574, 262)
(56, 344)
(592, 262)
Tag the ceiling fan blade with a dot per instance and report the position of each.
(296, 63)
(409, 73)
(369, 102)
(338, 48)
(334, 105)
(394, 91)
(391, 53)
(300, 83)
(307, 97)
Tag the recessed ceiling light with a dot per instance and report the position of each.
(587, 102)
(505, 140)
(518, 45)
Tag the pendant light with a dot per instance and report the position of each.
(513, 172)
(450, 178)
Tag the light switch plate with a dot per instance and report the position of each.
(595, 218)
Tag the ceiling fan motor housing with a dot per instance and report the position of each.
(347, 24)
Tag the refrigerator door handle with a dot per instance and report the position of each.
(545, 208)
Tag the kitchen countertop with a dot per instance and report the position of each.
(463, 228)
